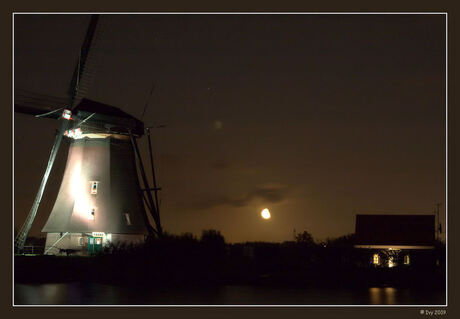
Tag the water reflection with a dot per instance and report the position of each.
(383, 296)
(42, 294)
(98, 294)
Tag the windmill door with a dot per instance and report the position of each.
(94, 244)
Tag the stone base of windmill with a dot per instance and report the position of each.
(84, 244)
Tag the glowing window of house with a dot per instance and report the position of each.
(391, 262)
(92, 214)
(127, 219)
(376, 259)
(406, 260)
(94, 185)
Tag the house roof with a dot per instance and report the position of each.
(400, 230)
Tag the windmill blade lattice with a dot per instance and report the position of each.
(81, 80)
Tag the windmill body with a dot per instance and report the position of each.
(99, 200)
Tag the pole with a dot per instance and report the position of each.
(155, 188)
(438, 225)
(146, 186)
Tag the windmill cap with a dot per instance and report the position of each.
(108, 117)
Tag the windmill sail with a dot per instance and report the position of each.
(77, 82)
(85, 68)
(32, 103)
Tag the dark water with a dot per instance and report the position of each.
(99, 294)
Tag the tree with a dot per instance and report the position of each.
(342, 241)
(187, 237)
(212, 237)
(305, 238)
(213, 243)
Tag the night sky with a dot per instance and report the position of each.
(317, 117)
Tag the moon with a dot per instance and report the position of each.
(265, 213)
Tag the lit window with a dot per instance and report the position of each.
(94, 186)
(127, 219)
(406, 260)
(78, 133)
(376, 259)
(69, 133)
(391, 262)
(67, 114)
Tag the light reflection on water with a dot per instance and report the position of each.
(383, 296)
(99, 294)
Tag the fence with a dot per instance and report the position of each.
(33, 250)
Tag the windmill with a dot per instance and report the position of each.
(100, 199)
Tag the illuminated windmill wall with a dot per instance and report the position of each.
(100, 200)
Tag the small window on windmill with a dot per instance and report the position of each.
(94, 185)
(81, 241)
(92, 214)
(127, 219)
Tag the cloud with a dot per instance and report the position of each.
(269, 193)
